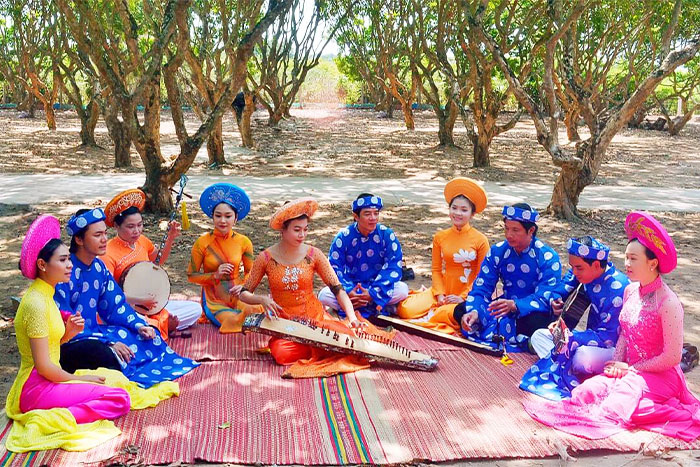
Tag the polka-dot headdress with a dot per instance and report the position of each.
(512, 213)
(598, 250)
(367, 202)
(77, 224)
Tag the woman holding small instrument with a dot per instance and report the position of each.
(290, 265)
(218, 256)
(38, 396)
(457, 256)
(130, 246)
(643, 387)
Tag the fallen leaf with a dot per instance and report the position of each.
(224, 425)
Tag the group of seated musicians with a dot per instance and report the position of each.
(633, 333)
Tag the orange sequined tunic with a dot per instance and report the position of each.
(291, 287)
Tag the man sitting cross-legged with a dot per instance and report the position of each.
(368, 260)
(529, 271)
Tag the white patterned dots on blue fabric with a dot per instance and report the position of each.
(526, 279)
(598, 250)
(602, 330)
(121, 321)
(77, 223)
(367, 202)
(517, 214)
(375, 264)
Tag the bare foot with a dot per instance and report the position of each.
(173, 322)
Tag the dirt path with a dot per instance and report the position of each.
(356, 144)
(42, 188)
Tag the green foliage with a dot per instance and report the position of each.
(321, 83)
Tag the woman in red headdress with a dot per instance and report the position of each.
(130, 246)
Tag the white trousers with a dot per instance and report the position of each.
(188, 312)
(587, 358)
(400, 292)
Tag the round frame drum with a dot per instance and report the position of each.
(145, 280)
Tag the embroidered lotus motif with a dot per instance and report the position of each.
(464, 258)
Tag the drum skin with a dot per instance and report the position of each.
(146, 280)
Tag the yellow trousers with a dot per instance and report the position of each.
(422, 309)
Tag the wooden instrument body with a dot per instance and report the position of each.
(411, 328)
(146, 280)
(577, 303)
(364, 345)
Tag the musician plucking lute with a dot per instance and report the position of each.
(592, 284)
(131, 247)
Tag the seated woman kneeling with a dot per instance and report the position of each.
(130, 246)
(457, 256)
(217, 258)
(40, 331)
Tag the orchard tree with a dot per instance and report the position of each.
(135, 48)
(286, 54)
(566, 62)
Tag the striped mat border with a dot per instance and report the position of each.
(242, 411)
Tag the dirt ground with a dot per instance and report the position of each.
(356, 143)
(339, 143)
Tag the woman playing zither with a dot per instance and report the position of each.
(290, 265)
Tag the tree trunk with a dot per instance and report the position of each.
(380, 105)
(675, 125)
(276, 116)
(573, 179)
(446, 124)
(28, 105)
(408, 115)
(571, 120)
(565, 195)
(244, 121)
(50, 115)
(481, 144)
(119, 134)
(158, 197)
(637, 118)
(386, 105)
(88, 122)
(215, 145)
(122, 147)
